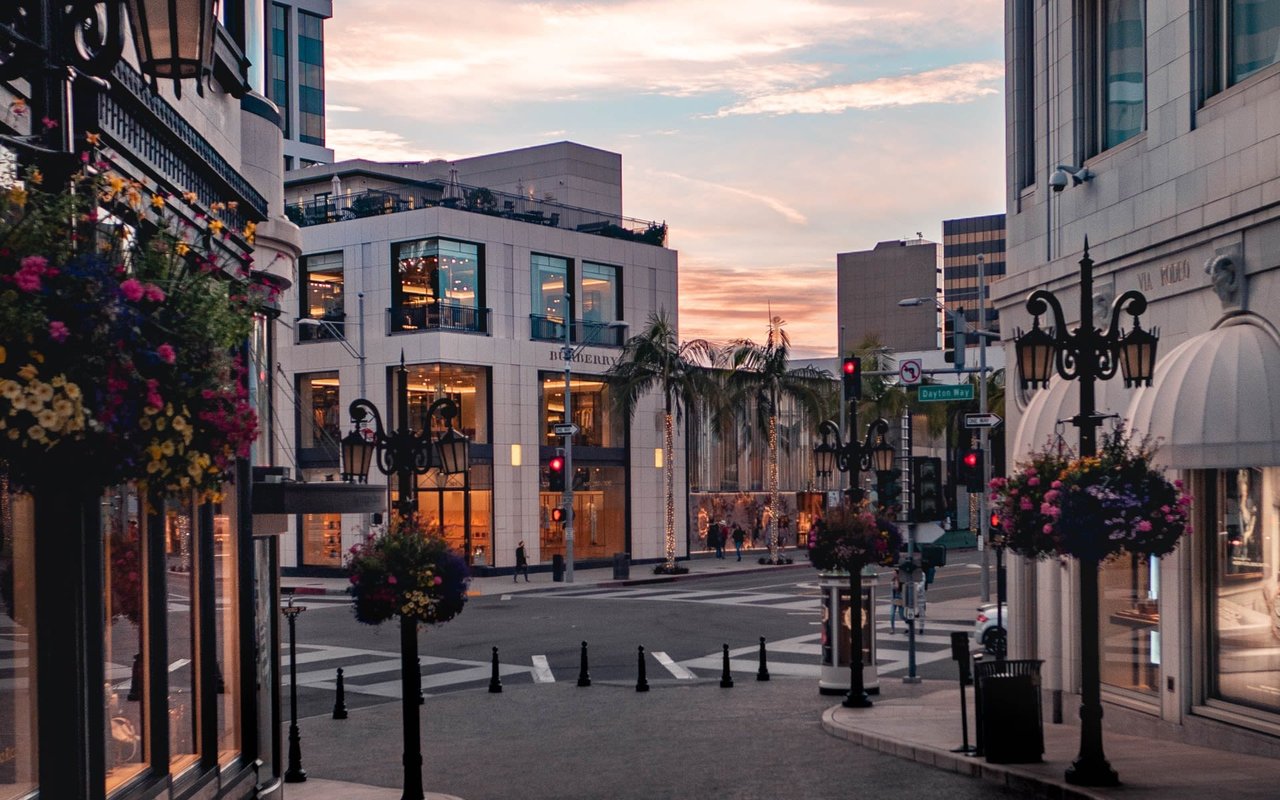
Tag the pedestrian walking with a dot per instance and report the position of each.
(718, 531)
(895, 605)
(522, 563)
(739, 536)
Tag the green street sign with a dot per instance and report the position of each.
(944, 393)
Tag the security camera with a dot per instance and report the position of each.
(1058, 180)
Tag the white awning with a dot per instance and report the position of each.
(1214, 401)
(1060, 402)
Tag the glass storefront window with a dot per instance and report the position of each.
(598, 423)
(1129, 622)
(599, 508)
(18, 717)
(599, 299)
(468, 387)
(550, 284)
(226, 583)
(322, 294)
(320, 422)
(179, 527)
(322, 540)
(1245, 599)
(429, 273)
(124, 647)
(444, 497)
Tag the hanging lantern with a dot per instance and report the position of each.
(1036, 352)
(174, 38)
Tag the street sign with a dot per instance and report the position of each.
(909, 371)
(982, 420)
(566, 429)
(944, 393)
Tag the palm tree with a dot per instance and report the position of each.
(654, 360)
(761, 374)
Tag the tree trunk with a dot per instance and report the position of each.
(668, 490)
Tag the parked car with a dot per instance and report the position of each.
(985, 630)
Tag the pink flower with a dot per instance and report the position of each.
(58, 331)
(1048, 529)
(437, 581)
(391, 579)
(153, 293)
(35, 263)
(1025, 505)
(1056, 484)
(1033, 481)
(166, 354)
(132, 290)
(1144, 526)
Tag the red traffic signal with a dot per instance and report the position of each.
(557, 464)
(995, 521)
(971, 459)
(555, 474)
(850, 366)
(558, 514)
(851, 379)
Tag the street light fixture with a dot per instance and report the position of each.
(854, 457)
(405, 454)
(569, 352)
(1087, 355)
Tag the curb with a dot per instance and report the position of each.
(689, 576)
(1022, 782)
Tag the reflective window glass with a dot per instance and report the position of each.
(226, 588)
(1123, 71)
(1255, 36)
(18, 757)
(180, 556)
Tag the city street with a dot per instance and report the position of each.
(687, 737)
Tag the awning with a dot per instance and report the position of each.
(1214, 401)
(1058, 404)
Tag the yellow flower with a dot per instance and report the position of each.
(160, 423)
(42, 391)
(144, 423)
(19, 403)
(47, 419)
(153, 467)
(93, 138)
(157, 201)
(14, 433)
(217, 206)
(9, 389)
(72, 390)
(215, 226)
(36, 432)
(18, 196)
(167, 447)
(182, 248)
(190, 197)
(28, 373)
(179, 423)
(116, 184)
(250, 231)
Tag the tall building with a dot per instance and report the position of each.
(295, 77)
(869, 284)
(964, 242)
(142, 635)
(472, 273)
(1145, 135)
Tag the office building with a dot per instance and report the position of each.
(965, 241)
(869, 284)
(295, 77)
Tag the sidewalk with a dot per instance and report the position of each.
(918, 722)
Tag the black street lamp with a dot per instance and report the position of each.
(854, 457)
(406, 453)
(1087, 355)
(294, 773)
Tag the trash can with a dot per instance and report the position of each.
(621, 566)
(557, 568)
(1012, 727)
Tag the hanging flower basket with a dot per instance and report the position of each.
(119, 321)
(408, 572)
(1095, 507)
(849, 539)
(1024, 504)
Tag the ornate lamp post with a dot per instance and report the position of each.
(295, 773)
(406, 454)
(854, 457)
(1087, 355)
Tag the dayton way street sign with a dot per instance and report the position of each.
(982, 420)
(944, 392)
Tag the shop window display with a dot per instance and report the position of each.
(227, 609)
(599, 526)
(179, 523)
(18, 758)
(124, 647)
(1129, 621)
(1244, 520)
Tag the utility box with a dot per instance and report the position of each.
(836, 616)
(557, 568)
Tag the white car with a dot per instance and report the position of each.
(985, 630)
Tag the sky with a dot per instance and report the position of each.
(769, 136)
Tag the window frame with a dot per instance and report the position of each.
(1094, 101)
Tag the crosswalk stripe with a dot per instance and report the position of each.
(672, 667)
(542, 670)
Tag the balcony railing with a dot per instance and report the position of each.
(600, 334)
(436, 317)
(376, 202)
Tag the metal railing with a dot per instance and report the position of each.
(551, 329)
(437, 316)
(376, 202)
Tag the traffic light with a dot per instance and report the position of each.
(851, 372)
(970, 469)
(926, 488)
(889, 489)
(560, 514)
(954, 339)
(555, 474)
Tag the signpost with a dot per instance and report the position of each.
(944, 393)
(566, 429)
(982, 420)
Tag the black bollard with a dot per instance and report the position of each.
(340, 699)
(495, 685)
(762, 674)
(642, 685)
(422, 698)
(726, 680)
(584, 678)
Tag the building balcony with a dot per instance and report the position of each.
(477, 200)
(437, 316)
(597, 334)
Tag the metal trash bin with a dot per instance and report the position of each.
(1012, 726)
(621, 566)
(557, 568)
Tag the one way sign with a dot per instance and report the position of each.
(982, 420)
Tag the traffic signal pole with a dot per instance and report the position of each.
(985, 519)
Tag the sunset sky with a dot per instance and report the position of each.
(769, 136)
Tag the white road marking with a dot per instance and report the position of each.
(672, 667)
(542, 670)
